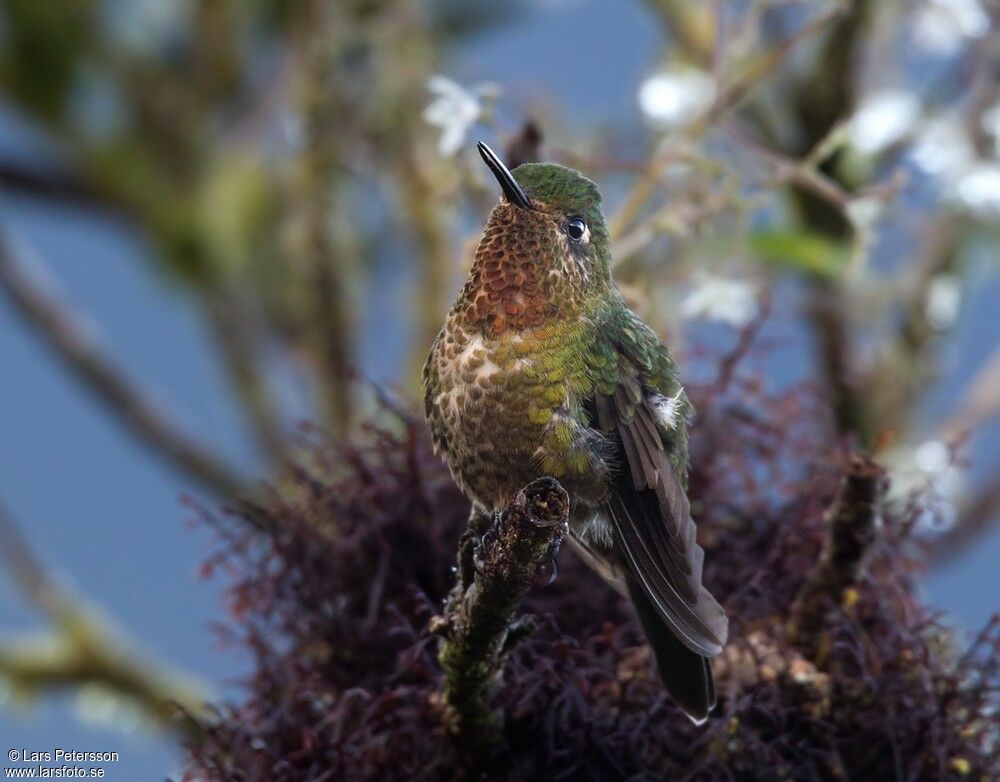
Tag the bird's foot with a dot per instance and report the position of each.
(480, 525)
(481, 543)
(548, 572)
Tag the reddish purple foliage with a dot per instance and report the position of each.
(337, 576)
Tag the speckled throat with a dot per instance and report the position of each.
(523, 275)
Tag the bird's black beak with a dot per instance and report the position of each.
(508, 184)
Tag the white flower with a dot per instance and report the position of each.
(721, 299)
(865, 211)
(936, 31)
(934, 465)
(882, 119)
(942, 147)
(928, 466)
(944, 297)
(454, 109)
(971, 16)
(672, 97)
(940, 26)
(931, 457)
(978, 190)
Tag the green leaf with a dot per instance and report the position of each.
(804, 252)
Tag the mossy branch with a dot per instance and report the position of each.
(849, 534)
(83, 649)
(478, 617)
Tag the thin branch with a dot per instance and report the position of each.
(821, 97)
(673, 218)
(730, 95)
(57, 185)
(980, 402)
(477, 619)
(235, 336)
(326, 251)
(976, 516)
(84, 649)
(907, 362)
(64, 334)
(526, 146)
(787, 170)
(826, 312)
(691, 28)
(849, 534)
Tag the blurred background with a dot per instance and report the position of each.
(221, 220)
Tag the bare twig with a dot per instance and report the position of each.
(786, 170)
(477, 618)
(729, 96)
(675, 218)
(907, 363)
(65, 336)
(849, 534)
(975, 516)
(51, 184)
(980, 402)
(234, 334)
(326, 251)
(526, 145)
(83, 649)
(692, 27)
(825, 309)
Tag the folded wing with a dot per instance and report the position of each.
(649, 510)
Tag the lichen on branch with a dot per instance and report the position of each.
(479, 614)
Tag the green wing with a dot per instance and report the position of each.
(648, 503)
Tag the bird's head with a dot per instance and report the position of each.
(546, 242)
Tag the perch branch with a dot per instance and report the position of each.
(478, 616)
(65, 336)
(850, 532)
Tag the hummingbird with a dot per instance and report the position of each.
(541, 369)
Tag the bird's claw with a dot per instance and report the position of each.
(477, 561)
(548, 571)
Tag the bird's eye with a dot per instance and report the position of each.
(576, 228)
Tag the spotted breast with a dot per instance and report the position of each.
(505, 409)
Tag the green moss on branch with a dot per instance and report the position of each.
(479, 614)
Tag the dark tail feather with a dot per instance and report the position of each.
(686, 674)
